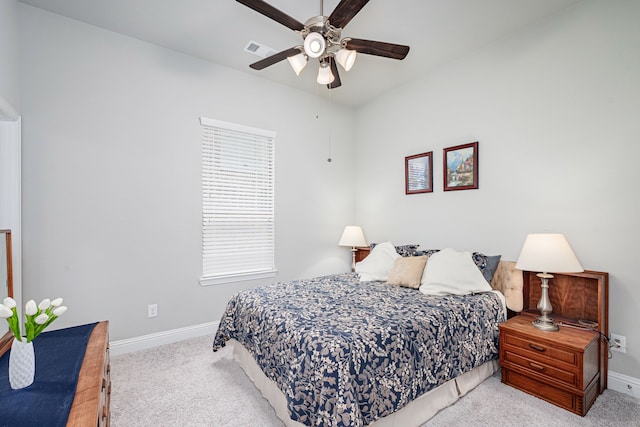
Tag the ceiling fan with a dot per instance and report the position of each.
(322, 36)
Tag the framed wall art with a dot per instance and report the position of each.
(418, 173)
(460, 165)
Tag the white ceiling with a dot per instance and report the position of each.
(438, 31)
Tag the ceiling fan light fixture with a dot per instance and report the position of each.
(346, 58)
(314, 45)
(325, 76)
(298, 62)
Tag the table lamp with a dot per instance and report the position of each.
(547, 253)
(352, 236)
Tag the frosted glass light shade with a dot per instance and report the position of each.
(346, 58)
(548, 253)
(325, 76)
(314, 45)
(352, 236)
(298, 62)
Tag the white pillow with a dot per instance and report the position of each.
(378, 264)
(450, 272)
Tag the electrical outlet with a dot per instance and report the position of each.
(152, 310)
(618, 343)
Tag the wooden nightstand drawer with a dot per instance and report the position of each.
(540, 351)
(550, 372)
(549, 393)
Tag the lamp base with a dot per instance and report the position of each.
(353, 258)
(545, 324)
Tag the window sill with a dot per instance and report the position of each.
(239, 277)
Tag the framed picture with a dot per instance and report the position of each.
(418, 173)
(460, 165)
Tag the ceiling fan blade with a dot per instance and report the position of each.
(270, 60)
(345, 11)
(370, 47)
(334, 70)
(271, 12)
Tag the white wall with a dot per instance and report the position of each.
(111, 176)
(555, 109)
(9, 53)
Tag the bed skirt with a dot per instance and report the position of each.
(415, 413)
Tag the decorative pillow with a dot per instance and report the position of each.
(487, 264)
(450, 272)
(378, 263)
(407, 271)
(427, 252)
(403, 250)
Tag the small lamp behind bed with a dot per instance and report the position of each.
(353, 236)
(547, 253)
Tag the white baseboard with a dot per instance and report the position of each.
(128, 345)
(624, 384)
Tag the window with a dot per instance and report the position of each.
(237, 202)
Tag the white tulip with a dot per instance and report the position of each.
(59, 311)
(56, 302)
(5, 312)
(42, 319)
(9, 302)
(30, 308)
(44, 304)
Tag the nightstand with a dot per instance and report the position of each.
(362, 252)
(560, 367)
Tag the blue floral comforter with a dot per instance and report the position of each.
(346, 353)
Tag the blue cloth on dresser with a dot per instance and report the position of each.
(46, 402)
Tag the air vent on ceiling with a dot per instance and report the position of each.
(259, 49)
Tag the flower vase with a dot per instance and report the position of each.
(22, 364)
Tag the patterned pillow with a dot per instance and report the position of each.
(427, 252)
(487, 264)
(407, 271)
(403, 250)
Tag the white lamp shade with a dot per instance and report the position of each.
(548, 253)
(352, 236)
(314, 45)
(346, 58)
(298, 62)
(325, 76)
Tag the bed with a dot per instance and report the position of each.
(339, 351)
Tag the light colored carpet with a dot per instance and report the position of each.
(180, 385)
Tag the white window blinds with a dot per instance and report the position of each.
(237, 202)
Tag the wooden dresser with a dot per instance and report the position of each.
(90, 405)
(568, 368)
(93, 394)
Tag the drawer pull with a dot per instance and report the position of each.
(536, 366)
(536, 347)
